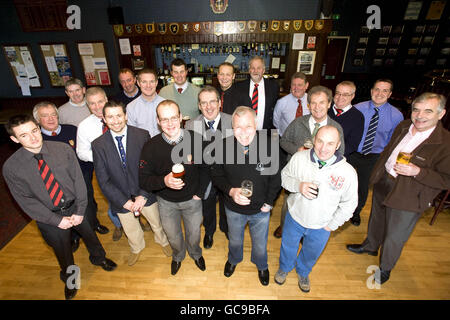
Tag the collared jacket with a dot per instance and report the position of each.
(432, 156)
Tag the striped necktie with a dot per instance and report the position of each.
(338, 111)
(52, 186)
(123, 158)
(316, 128)
(255, 98)
(371, 131)
(321, 163)
(211, 125)
(104, 127)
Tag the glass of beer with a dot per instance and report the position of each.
(316, 189)
(404, 157)
(178, 171)
(308, 144)
(184, 120)
(247, 188)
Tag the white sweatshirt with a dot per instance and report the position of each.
(338, 191)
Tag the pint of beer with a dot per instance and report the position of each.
(178, 171)
(308, 144)
(184, 120)
(404, 157)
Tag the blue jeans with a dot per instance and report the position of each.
(259, 230)
(114, 218)
(171, 214)
(314, 241)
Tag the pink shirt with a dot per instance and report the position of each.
(408, 144)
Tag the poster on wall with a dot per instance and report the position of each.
(306, 61)
(57, 62)
(22, 67)
(95, 65)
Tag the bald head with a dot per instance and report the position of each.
(326, 142)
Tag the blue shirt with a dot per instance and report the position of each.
(389, 118)
(142, 114)
(285, 110)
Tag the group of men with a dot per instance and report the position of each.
(324, 154)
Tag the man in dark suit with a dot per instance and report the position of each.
(258, 93)
(116, 160)
(211, 124)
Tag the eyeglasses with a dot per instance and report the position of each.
(166, 120)
(213, 103)
(345, 95)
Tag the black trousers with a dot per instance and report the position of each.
(60, 241)
(209, 212)
(363, 165)
(91, 209)
(388, 228)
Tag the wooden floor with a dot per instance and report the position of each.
(29, 270)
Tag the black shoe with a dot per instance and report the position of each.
(383, 277)
(200, 263)
(358, 248)
(263, 276)
(102, 229)
(174, 267)
(229, 269)
(277, 233)
(108, 265)
(75, 244)
(70, 293)
(355, 220)
(208, 242)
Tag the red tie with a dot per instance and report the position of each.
(221, 101)
(299, 112)
(180, 90)
(255, 98)
(338, 111)
(50, 182)
(54, 133)
(104, 127)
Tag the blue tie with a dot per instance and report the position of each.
(122, 151)
(211, 125)
(370, 135)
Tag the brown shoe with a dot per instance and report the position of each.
(117, 234)
(278, 231)
(144, 224)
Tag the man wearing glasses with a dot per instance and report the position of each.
(179, 199)
(350, 119)
(211, 124)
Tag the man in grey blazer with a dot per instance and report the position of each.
(304, 128)
(211, 124)
(116, 160)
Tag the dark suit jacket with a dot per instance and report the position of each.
(271, 90)
(119, 185)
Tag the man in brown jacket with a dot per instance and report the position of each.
(402, 191)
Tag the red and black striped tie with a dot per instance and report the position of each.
(255, 98)
(52, 186)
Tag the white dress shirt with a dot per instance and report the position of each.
(312, 122)
(124, 140)
(88, 130)
(216, 122)
(261, 102)
(344, 110)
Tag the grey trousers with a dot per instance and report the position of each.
(171, 214)
(388, 228)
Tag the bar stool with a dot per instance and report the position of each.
(443, 203)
